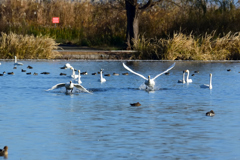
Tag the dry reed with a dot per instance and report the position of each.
(26, 47)
(188, 47)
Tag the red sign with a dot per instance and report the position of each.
(55, 20)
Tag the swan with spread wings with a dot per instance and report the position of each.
(69, 86)
(150, 83)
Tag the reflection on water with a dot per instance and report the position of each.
(169, 124)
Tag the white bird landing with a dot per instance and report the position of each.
(149, 82)
(16, 62)
(69, 86)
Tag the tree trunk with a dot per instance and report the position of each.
(132, 23)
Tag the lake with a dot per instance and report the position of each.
(171, 122)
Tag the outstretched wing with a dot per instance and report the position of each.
(59, 85)
(171, 67)
(80, 87)
(126, 67)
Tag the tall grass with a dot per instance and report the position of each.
(80, 23)
(26, 47)
(188, 47)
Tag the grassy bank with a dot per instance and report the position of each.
(192, 31)
(189, 47)
(26, 47)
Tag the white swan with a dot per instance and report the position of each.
(17, 63)
(149, 82)
(187, 79)
(101, 77)
(210, 83)
(183, 78)
(66, 66)
(74, 76)
(69, 86)
(79, 80)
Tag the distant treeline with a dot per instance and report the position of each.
(163, 28)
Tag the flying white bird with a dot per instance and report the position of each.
(149, 82)
(69, 86)
(16, 62)
(210, 83)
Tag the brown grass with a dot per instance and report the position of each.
(26, 47)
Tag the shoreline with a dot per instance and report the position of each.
(86, 53)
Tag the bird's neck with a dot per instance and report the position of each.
(183, 78)
(187, 75)
(210, 82)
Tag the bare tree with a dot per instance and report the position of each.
(133, 9)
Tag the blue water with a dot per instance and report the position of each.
(170, 124)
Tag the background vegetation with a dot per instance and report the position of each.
(201, 30)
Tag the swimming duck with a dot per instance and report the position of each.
(107, 75)
(84, 73)
(23, 70)
(125, 74)
(45, 73)
(94, 73)
(210, 113)
(135, 104)
(35, 73)
(63, 74)
(29, 73)
(196, 71)
(4, 152)
(167, 73)
(10, 73)
(115, 74)
(29, 67)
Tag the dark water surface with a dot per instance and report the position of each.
(170, 123)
